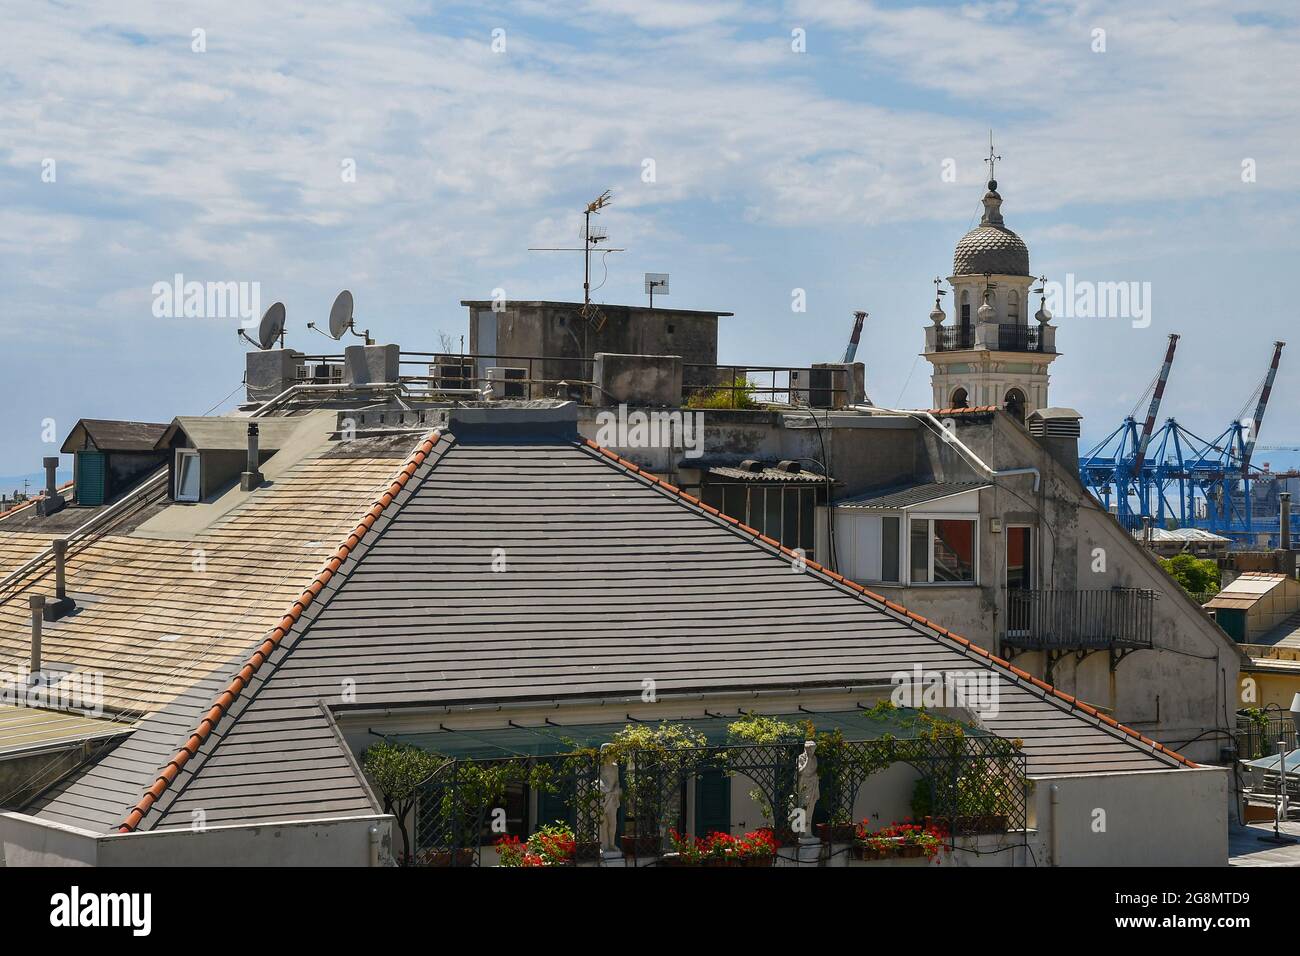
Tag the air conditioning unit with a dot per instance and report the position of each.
(322, 373)
(508, 382)
(814, 387)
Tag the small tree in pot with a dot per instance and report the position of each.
(397, 770)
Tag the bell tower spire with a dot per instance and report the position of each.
(991, 354)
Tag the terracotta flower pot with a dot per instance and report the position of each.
(641, 845)
(445, 858)
(837, 832)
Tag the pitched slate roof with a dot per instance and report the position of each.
(610, 576)
(108, 435)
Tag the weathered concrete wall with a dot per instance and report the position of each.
(1151, 818)
(368, 364)
(268, 373)
(350, 841)
(638, 379)
(27, 841)
(1184, 688)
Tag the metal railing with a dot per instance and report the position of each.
(545, 376)
(971, 785)
(1258, 737)
(1060, 619)
(749, 386)
(1011, 337)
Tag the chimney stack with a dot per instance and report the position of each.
(1284, 532)
(37, 604)
(251, 477)
(62, 605)
(52, 501)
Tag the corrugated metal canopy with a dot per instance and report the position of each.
(906, 496)
(1245, 591)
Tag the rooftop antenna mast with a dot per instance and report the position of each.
(589, 242)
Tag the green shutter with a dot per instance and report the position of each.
(712, 802)
(91, 478)
(1233, 621)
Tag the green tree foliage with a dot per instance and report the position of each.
(1196, 575)
(397, 770)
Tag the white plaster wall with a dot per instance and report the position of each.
(1152, 818)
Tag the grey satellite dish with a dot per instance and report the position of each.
(341, 314)
(272, 326)
(269, 329)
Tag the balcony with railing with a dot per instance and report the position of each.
(1064, 620)
(1005, 337)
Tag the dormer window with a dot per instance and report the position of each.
(187, 475)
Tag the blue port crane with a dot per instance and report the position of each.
(1173, 476)
(1118, 470)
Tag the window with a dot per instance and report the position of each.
(1015, 404)
(1013, 306)
(1020, 558)
(960, 399)
(889, 549)
(965, 307)
(187, 475)
(943, 550)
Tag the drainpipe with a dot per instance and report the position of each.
(1054, 797)
(953, 439)
(251, 477)
(37, 603)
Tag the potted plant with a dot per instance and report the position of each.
(550, 846)
(397, 771)
(761, 730)
(654, 757)
(717, 849)
(904, 840)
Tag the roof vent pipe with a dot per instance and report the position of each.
(251, 477)
(53, 501)
(37, 604)
(62, 604)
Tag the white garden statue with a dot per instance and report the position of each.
(611, 795)
(808, 787)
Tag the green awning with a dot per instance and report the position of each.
(551, 739)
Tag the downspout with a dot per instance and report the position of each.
(1054, 795)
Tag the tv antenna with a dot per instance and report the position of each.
(656, 282)
(589, 242)
(269, 329)
(342, 320)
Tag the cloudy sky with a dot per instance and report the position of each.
(1161, 151)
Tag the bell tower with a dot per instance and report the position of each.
(990, 354)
